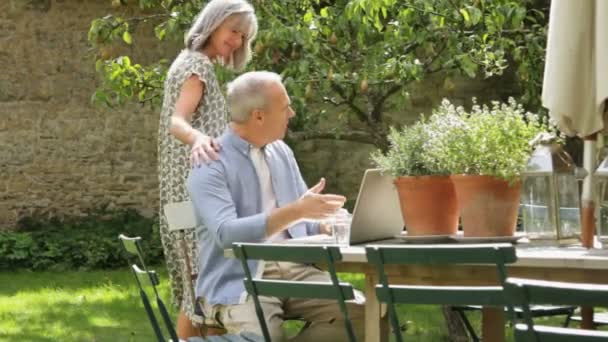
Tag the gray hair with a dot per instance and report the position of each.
(248, 92)
(212, 16)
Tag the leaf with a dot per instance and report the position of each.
(476, 15)
(126, 36)
(465, 16)
(160, 32)
(307, 18)
(324, 12)
(467, 65)
(125, 61)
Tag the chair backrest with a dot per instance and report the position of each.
(146, 278)
(524, 292)
(132, 246)
(180, 215)
(327, 255)
(495, 254)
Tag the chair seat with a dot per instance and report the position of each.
(242, 337)
(599, 318)
(536, 310)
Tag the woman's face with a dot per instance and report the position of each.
(227, 38)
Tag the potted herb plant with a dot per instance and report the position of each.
(426, 193)
(486, 153)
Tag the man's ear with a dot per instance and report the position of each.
(258, 116)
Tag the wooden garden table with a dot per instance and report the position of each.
(571, 264)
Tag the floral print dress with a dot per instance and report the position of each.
(210, 118)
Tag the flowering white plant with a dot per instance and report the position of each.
(489, 140)
(407, 150)
(404, 157)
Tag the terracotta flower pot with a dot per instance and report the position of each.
(428, 205)
(488, 206)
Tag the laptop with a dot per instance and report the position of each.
(376, 216)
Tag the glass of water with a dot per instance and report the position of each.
(340, 227)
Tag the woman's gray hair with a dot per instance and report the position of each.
(212, 16)
(249, 92)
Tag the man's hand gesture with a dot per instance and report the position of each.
(314, 205)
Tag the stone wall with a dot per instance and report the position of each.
(61, 155)
(58, 153)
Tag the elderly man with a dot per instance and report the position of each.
(255, 193)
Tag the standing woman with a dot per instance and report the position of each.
(193, 114)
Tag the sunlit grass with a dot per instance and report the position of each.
(105, 306)
(73, 306)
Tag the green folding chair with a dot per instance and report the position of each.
(148, 279)
(536, 311)
(306, 254)
(523, 292)
(494, 254)
(144, 278)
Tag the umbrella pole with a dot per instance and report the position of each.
(588, 213)
(588, 195)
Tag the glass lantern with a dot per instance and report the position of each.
(601, 176)
(550, 199)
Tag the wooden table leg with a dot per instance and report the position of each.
(493, 324)
(376, 326)
(587, 318)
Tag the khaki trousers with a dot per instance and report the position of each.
(326, 319)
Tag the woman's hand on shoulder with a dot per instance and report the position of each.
(204, 149)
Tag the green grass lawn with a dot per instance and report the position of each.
(105, 306)
(73, 306)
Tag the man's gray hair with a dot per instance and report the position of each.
(212, 16)
(249, 92)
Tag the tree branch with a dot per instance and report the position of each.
(354, 136)
(333, 101)
(426, 11)
(379, 104)
(147, 17)
(349, 101)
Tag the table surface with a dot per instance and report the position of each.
(528, 255)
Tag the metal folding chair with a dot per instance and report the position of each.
(523, 292)
(306, 254)
(144, 277)
(148, 279)
(535, 310)
(495, 254)
(180, 217)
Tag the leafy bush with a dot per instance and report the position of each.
(89, 242)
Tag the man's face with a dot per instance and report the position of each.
(277, 113)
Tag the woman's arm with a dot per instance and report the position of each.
(203, 147)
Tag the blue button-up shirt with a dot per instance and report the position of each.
(227, 201)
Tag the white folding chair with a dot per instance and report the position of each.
(180, 217)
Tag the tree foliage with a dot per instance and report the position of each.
(360, 55)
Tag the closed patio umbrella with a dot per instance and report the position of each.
(575, 87)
